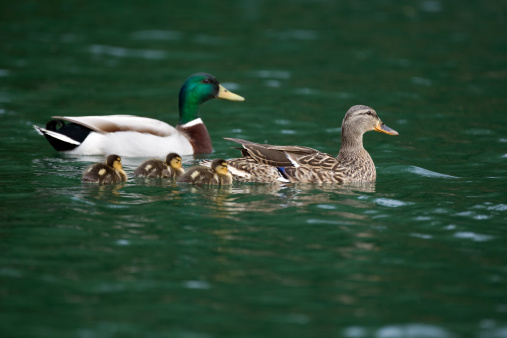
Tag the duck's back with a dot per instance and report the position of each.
(154, 169)
(246, 169)
(102, 174)
(133, 144)
(116, 123)
(202, 175)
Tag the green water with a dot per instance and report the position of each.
(420, 253)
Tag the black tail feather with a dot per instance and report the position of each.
(72, 130)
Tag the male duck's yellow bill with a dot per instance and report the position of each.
(382, 128)
(227, 95)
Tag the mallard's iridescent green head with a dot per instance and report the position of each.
(199, 88)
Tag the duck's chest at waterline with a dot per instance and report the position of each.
(198, 136)
(359, 168)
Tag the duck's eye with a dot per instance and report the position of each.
(369, 112)
(206, 81)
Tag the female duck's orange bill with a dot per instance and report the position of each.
(382, 128)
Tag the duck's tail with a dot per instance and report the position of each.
(64, 138)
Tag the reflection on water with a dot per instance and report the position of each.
(399, 331)
(269, 198)
(100, 50)
(230, 201)
(157, 35)
(420, 253)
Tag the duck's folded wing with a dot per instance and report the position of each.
(114, 123)
(264, 153)
(294, 149)
(279, 156)
(246, 169)
(319, 160)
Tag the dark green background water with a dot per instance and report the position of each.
(421, 253)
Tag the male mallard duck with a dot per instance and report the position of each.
(106, 173)
(141, 136)
(157, 168)
(217, 174)
(307, 165)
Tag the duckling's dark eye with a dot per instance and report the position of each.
(369, 112)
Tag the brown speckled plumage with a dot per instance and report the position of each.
(307, 165)
(217, 174)
(156, 168)
(110, 172)
(246, 169)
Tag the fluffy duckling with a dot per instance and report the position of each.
(106, 173)
(217, 174)
(155, 168)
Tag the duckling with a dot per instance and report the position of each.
(217, 174)
(246, 169)
(155, 168)
(106, 173)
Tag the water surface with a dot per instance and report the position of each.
(419, 253)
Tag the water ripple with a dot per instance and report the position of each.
(157, 35)
(391, 203)
(416, 330)
(413, 330)
(428, 173)
(196, 284)
(126, 52)
(294, 34)
(275, 74)
(473, 236)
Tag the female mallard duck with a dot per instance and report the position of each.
(141, 136)
(247, 169)
(106, 173)
(307, 165)
(217, 174)
(157, 168)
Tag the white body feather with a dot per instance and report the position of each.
(137, 136)
(133, 144)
